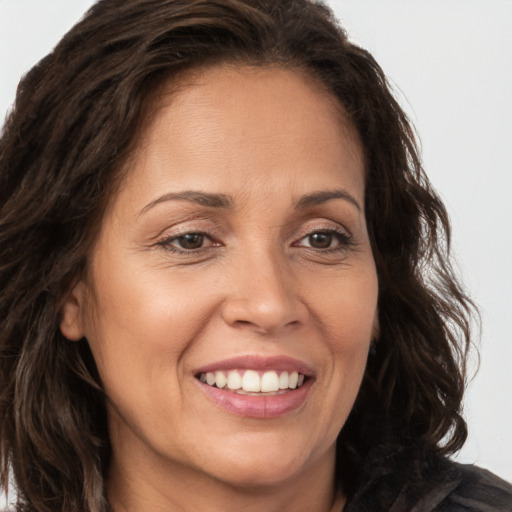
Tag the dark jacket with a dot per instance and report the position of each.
(396, 482)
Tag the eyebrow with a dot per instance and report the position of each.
(201, 198)
(224, 201)
(322, 196)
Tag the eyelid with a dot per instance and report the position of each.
(206, 226)
(345, 240)
(168, 238)
(322, 225)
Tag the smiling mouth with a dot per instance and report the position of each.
(252, 382)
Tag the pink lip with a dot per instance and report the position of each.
(258, 406)
(249, 406)
(283, 363)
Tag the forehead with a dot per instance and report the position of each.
(281, 94)
(223, 124)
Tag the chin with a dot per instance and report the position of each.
(257, 474)
(264, 465)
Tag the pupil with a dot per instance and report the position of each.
(191, 241)
(320, 240)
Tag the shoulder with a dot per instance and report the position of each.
(447, 486)
(477, 490)
(405, 482)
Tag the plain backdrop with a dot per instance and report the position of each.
(450, 64)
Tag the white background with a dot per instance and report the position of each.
(450, 63)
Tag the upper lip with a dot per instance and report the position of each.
(262, 363)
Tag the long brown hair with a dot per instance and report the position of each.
(76, 116)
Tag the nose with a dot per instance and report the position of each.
(263, 296)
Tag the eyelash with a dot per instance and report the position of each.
(344, 241)
(166, 242)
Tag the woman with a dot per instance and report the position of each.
(224, 281)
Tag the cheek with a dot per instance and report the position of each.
(140, 320)
(347, 311)
(139, 328)
(346, 307)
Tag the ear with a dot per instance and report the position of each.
(71, 314)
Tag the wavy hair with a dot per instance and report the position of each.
(76, 118)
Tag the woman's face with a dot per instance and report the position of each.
(236, 252)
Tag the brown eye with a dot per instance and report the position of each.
(190, 241)
(321, 240)
(326, 241)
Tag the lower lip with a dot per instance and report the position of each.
(272, 406)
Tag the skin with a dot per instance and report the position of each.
(259, 286)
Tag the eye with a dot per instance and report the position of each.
(190, 241)
(187, 242)
(328, 239)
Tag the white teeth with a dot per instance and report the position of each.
(269, 382)
(283, 380)
(220, 379)
(234, 380)
(250, 381)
